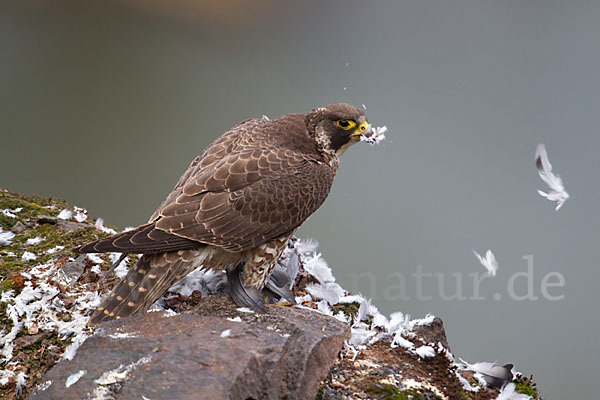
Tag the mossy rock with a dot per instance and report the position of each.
(38, 218)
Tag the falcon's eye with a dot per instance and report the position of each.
(345, 124)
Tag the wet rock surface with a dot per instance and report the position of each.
(204, 353)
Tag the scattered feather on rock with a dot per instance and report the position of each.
(494, 375)
(72, 379)
(12, 213)
(330, 291)
(226, 333)
(28, 256)
(95, 258)
(100, 226)
(5, 376)
(317, 267)
(34, 241)
(508, 392)
(65, 214)
(115, 376)
(55, 249)
(80, 214)
(425, 351)
(6, 237)
(21, 382)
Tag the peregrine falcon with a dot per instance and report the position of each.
(235, 208)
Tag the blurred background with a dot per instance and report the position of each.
(105, 104)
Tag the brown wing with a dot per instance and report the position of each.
(257, 181)
(274, 202)
(144, 239)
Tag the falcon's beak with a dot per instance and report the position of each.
(362, 129)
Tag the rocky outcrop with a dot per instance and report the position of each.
(335, 346)
(213, 351)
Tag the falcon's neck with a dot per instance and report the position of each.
(331, 156)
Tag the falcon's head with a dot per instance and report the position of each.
(336, 127)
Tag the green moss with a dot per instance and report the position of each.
(6, 285)
(525, 389)
(391, 392)
(6, 222)
(32, 208)
(349, 309)
(527, 386)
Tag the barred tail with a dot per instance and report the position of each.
(151, 277)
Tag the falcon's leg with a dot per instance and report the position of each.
(255, 278)
(244, 296)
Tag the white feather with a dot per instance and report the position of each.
(65, 214)
(330, 291)
(360, 336)
(10, 213)
(100, 225)
(35, 240)
(6, 237)
(73, 378)
(557, 192)
(54, 249)
(5, 375)
(28, 256)
(425, 351)
(226, 333)
(376, 137)
(317, 267)
(21, 382)
(489, 262)
(508, 393)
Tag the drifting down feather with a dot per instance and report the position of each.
(557, 191)
(489, 262)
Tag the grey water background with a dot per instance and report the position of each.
(104, 104)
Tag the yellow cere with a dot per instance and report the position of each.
(362, 128)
